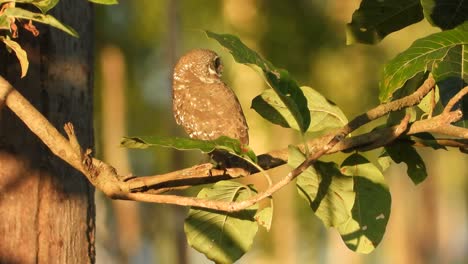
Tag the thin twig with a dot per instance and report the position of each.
(454, 100)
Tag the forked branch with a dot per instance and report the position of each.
(147, 189)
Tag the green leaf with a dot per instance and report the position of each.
(403, 152)
(384, 161)
(445, 14)
(394, 118)
(222, 237)
(424, 54)
(45, 19)
(224, 143)
(175, 142)
(4, 22)
(354, 199)
(280, 80)
(43, 5)
(264, 217)
(452, 76)
(20, 54)
(426, 104)
(270, 107)
(329, 193)
(324, 113)
(371, 209)
(240, 52)
(376, 19)
(431, 102)
(105, 2)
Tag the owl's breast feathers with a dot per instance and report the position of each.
(208, 111)
(203, 105)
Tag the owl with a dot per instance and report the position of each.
(202, 103)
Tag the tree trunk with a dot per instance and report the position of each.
(46, 207)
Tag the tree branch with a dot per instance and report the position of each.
(105, 178)
(38, 124)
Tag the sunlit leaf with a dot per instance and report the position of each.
(43, 5)
(4, 22)
(329, 193)
(324, 114)
(280, 80)
(45, 19)
(222, 237)
(354, 199)
(376, 19)
(105, 2)
(431, 102)
(264, 217)
(371, 209)
(425, 54)
(445, 14)
(452, 76)
(20, 54)
(384, 161)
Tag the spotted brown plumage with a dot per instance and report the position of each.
(202, 103)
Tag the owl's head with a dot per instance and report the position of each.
(203, 64)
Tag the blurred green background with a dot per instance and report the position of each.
(137, 44)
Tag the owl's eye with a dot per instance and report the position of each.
(218, 67)
(217, 63)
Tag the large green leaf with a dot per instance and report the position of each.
(224, 143)
(324, 114)
(354, 199)
(371, 209)
(404, 152)
(426, 54)
(452, 76)
(376, 19)
(45, 19)
(445, 14)
(329, 193)
(222, 237)
(280, 80)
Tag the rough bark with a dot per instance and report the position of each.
(46, 210)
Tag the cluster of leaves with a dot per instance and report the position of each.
(352, 197)
(13, 16)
